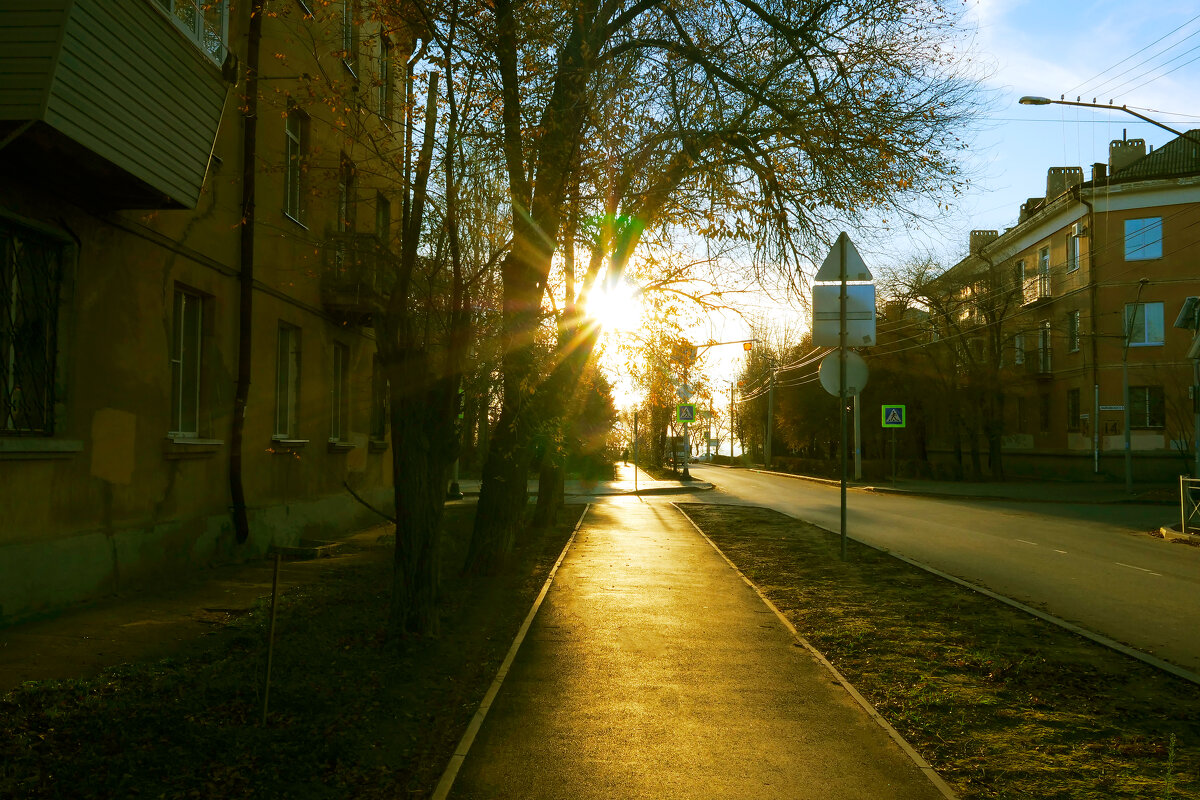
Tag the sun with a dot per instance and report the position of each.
(616, 306)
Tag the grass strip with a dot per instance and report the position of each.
(1002, 704)
(351, 714)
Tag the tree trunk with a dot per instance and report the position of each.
(550, 486)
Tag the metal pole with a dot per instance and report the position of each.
(1096, 428)
(271, 637)
(857, 440)
(731, 423)
(1196, 407)
(635, 466)
(842, 381)
(770, 417)
(687, 433)
(893, 458)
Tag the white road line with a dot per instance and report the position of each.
(1064, 552)
(1026, 541)
(1143, 569)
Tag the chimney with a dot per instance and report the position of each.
(1060, 179)
(980, 239)
(1030, 207)
(1123, 152)
(1099, 174)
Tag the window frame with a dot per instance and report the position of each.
(1137, 234)
(1073, 337)
(1073, 250)
(347, 206)
(198, 30)
(387, 84)
(1074, 410)
(295, 163)
(380, 400)
(287, 380)
(16, 238)
(339, 394)
(1130, 320)
(1019, 345)
(350, 36)
(180, 370)
(1153, 404)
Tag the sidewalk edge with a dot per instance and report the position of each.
(446, 783)
(926, 768)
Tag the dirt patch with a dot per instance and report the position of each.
(1002, 704)
(351, 716)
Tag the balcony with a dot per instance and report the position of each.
(1038, 363)
(108, 101)
(1036, 289)
(357, 277)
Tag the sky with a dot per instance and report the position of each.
(1144, 54)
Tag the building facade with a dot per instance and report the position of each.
(126, 228)
(1082, 291)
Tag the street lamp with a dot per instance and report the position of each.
(1030, 100)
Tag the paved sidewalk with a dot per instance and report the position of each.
(653, 671)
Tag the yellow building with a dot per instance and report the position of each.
(123, 130)
(1100, 270)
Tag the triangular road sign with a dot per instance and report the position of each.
(856, 268)
(894, 417)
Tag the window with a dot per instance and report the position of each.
(1043, 364)
(287, 382)
(1073, 248)
(1073, 331)
(383, 219)
(346, 188)
(349, 36)
(1019, 273)
(1143, 239)
(1146, 407)
(1044, 261)
(386, 84)
(30, 279)
(1019, 349)
(340, 385)
(205, 22)
(296, 128)
(186, 353)
(1073, 410)
(1144, 324)
(379, 401)
(1044, 413)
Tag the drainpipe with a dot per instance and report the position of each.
(241, 524)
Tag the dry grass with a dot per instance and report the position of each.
(1003, 704)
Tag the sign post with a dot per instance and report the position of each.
(894, 417)
(843, 264)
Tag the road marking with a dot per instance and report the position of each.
(1064, 552)
(1143, 569)
(1026, 541)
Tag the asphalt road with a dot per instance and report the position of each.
(1093, 565)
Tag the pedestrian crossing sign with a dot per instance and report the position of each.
(893, 416)
(685, 412)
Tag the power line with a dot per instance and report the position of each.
(1132, 55)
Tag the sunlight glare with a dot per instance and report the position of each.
(616, 307)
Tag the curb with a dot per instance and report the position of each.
(863, 487)
(446, 783)
(924, 766)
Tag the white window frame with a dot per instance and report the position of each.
(1132, 324)
(1044, 260)
(212, 38)
(287, 382)
(295, 130)
(1143, 239)
(349, 37)
(1073, 248)
(185, 423)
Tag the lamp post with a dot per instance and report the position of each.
(1030, 100)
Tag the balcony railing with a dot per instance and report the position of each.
(1037, 289)
(358, 276)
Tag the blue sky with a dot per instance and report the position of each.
(1072, 48)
